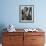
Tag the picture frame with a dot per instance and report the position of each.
(26, 13)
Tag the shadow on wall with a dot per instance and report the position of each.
(2, 26)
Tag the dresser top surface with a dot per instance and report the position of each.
(22, 30)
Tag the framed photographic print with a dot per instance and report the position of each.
(26, 13)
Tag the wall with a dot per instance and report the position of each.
(10, 13)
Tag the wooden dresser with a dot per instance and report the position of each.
(23, 39)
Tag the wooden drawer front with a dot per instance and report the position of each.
(12, 39)
(20, 44)
(8, 44)
(33, 33)
(27, 41)
(13, 33)
(37, 45)
(33, 40)
(37, 39)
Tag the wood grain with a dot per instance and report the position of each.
(23, 39)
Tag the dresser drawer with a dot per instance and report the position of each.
(37, 44)
(34, 33)
(8, 45)
(37, 39)
(13, 44)
(13, 33)
(12, 39)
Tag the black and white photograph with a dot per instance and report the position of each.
(26, 13)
